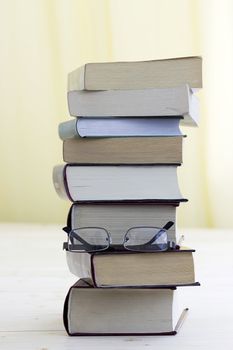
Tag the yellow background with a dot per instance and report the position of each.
(42, 40)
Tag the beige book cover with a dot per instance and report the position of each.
(137, 75)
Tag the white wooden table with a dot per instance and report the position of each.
(34, 281)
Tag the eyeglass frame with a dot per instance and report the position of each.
(118, 247)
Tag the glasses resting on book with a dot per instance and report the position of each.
(139, 239)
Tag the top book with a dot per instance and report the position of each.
(137, 75)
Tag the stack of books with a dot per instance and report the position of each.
(122, 151)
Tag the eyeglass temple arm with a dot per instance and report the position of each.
(172, 244)
(168, 225)
(69, 231)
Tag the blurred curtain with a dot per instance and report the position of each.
(42, 40)
(216, 42)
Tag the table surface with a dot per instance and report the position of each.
(35, 279)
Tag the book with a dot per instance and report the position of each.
(117, 218)
(114, 183)
(119, 127)
(178, 101)
(127, 268)
(124, 150)
(137, 75)
(95, 311)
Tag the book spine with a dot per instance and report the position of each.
(65, 311)
(123, 334)
(68, 130)
(59, 183)
(79, 264)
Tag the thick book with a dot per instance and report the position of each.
(127, 268)
(137, 75)
(168, 102)
(119, 127)
(124, 150)
(117, 218)
(114, 183)
(135, 311)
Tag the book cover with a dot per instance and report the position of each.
(115, 183)
(128, 269)
(132, 150)
(95, 311)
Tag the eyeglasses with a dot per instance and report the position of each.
(139, 239)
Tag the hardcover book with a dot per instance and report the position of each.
(136, 311)
(118, 217)
(119, 127)
(127, 268)
(114, 183)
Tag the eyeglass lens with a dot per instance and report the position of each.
(146, 239)
(88, 239)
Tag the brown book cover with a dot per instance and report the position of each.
(124, 150)
(134, 269)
